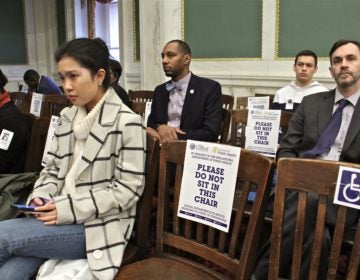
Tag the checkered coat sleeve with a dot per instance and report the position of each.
(109, 181)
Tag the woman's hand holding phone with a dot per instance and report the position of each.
(47, 208)
(38, 201)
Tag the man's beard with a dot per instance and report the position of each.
(347, 83)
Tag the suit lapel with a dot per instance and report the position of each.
(354, 127)
(66, 138)
(163, 105)
(325, 110)
(189, 97)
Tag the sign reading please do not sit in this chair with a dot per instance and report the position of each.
(208, 183)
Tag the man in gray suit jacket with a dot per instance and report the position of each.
(305, 129)
(188, 106)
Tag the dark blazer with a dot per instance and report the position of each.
(201, 116)
(309, 121)
(12, 160)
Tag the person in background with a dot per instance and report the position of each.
(188, 106)
(115, 74)
(85, 198)
(40, 84)
(289, 97)
(311, 134)
(14, 131)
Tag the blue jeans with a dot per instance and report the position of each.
(25, 243)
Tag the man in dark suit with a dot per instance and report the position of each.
(188, 106)
(306, 127)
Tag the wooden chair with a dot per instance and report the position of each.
(189, 250)
(239, 122)
(242, 102)
(227, 101)
(284, 121)
(30, 118)
(36, 145)
(225, 126)
(53, 104)
(319, 177)
(138, 107)
(21, 100)
(141, 95)
(18, 98)
(137, 247)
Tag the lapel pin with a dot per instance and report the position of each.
(191, 91)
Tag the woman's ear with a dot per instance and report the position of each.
(100, 76)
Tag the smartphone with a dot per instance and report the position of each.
(26, 208)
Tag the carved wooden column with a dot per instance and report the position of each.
(91, 18)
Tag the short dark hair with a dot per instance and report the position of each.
(31, 74)
(340, 43)
(3, 81)
(306, 53)
(92, 54)
(182, 45)
(116, 68)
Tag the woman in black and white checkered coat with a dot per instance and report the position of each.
(86, 195)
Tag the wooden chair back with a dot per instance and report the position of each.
(36, 145)
(141, 95)
(284, 121)
(319, 177)
(238, 127)
(137, 247)
(30, 118)
(138, 107)
(239, 122)
(53, 104)
(234, 252)
(21, 100)
(227, 101)
(242, 102)
(225, 126)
